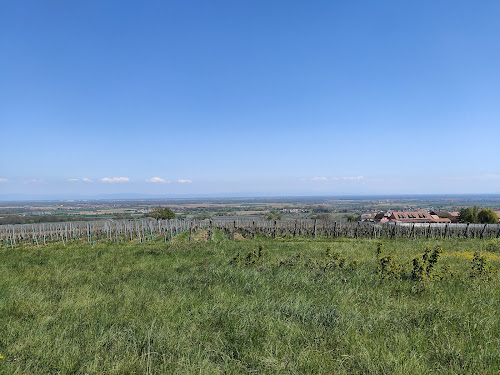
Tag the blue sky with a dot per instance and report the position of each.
(265, 97)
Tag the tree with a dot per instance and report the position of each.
(322, 217)
(487, 216)
(469, 214)
(162, 213)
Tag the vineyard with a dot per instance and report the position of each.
(144, 230)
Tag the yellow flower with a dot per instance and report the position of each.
(1, 356)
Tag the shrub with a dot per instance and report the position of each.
(298, 259)
(387, 267)
(481, 268)
(331, 260)
(253, 257)
(424, 268)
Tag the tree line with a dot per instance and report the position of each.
(474, 215)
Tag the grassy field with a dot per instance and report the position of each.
(183, 308)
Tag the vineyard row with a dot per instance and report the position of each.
(144, 230)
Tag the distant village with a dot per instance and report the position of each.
(415, 217)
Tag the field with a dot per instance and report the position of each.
(195, 307)
(335, 208)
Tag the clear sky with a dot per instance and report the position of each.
(268, 97)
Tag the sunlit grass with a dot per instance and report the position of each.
(181, 308)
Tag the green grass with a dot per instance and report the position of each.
(182, 308)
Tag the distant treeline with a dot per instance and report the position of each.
(35, 219)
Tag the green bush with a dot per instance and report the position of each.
(424, 268)
(387, 267)
(254, 257)
(487, 216)
(481, 268)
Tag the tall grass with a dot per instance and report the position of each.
(182, 308)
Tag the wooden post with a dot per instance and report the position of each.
(482, 232)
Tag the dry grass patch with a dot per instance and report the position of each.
(239, 236)
(201, 236)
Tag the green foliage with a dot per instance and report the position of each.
(321, 209)
(162, 213)
(473, 215)
(487, 216)
(492, 245)
(254, 257)
(424, 267)
(274, 215)
(297, 259)
(333, 259)
(387, 267)
(481, 268)
(329, 260)
(353, 265)
(469, 214)
(352, 218)
(34, 219)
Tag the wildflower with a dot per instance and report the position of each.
(1, 356)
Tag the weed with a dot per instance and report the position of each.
(424, 267)
(481, 268)
(298, 259)
(353, 265)
(253, 257)
(492, 245)
(387, 267)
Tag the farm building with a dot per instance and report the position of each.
(416, 217)
(454, 216)
(409, 217)
(382, 217)
(367, 217)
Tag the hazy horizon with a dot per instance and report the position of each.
(230, 196)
